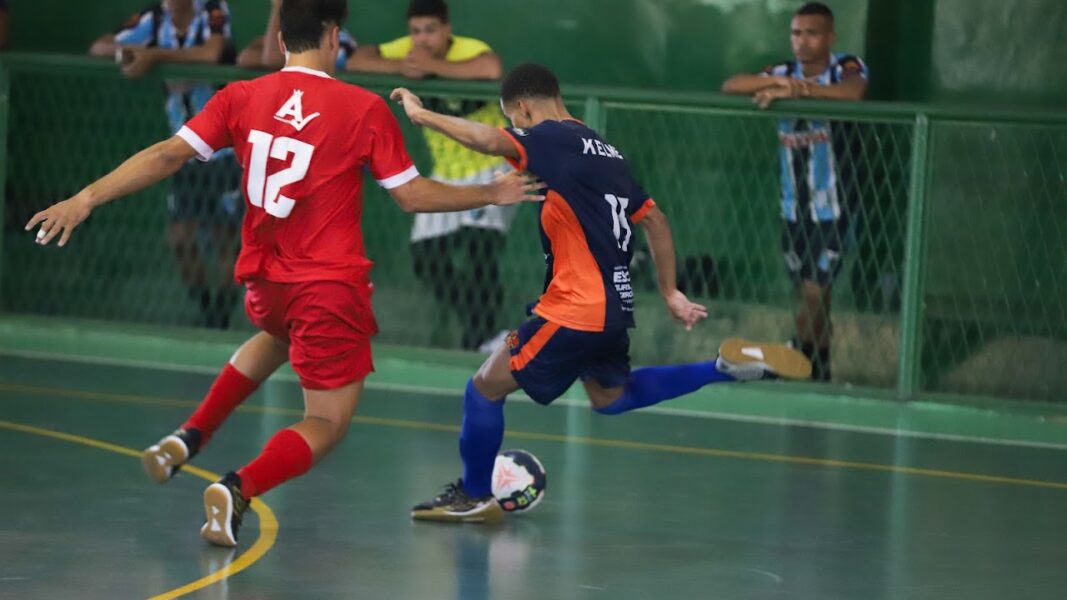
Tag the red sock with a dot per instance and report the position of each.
(231, 388)
(286, 455)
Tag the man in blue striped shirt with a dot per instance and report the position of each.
(204, 196)
(816, 169)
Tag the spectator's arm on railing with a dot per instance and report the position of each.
(264, 52)
(105, 46)
(746, 84)
(368, 59)
(141, 60)
(484, 66)
(854, 88)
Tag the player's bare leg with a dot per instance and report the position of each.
(327, 416)
(290, 453)
(252, 364)
(813, 326)
(470, 499)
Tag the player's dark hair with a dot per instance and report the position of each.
(428, 8)
(529, 81)
(817, 8)
(304, 21)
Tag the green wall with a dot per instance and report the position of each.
(1008, 52)
(984, 51)
(671, 44)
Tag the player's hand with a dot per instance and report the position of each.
(137, 62)
(411, 103)
(61, 217)
(685, 312)
(514, 187)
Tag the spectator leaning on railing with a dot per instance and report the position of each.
(456, 255)
(265, 51)
(204, 195)
(817, 169)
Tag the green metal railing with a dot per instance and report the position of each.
(955, 283)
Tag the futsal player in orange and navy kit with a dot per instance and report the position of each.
(303, 140)
(580, 325)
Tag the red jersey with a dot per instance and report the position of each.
(303, 139)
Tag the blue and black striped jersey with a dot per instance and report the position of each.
(812, 151)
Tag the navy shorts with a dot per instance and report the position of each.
(546, 358)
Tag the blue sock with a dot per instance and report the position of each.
(653, 385)
(479, 440)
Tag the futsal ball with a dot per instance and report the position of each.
(518, 480)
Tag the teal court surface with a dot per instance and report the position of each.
(708, 500)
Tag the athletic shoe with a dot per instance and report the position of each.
(751, 360)
(455, 506)
(224, 508)
(166, 458)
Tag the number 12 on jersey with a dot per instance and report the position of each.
(264, 191)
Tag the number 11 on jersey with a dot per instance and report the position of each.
(620, 224)
(264, 191)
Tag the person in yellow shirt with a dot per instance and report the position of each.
(456, 254)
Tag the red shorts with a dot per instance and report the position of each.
(328, 325)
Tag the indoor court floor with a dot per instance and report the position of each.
(647, 505)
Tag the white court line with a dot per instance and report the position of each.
(702, 414)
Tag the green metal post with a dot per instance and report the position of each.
(908, 381)
(595, 116)
(5, 89)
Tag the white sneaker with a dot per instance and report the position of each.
(162, 460)
(747, 360)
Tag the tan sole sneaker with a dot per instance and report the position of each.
(160, 460)
(779, 360)
(218, 510)
(488, 513)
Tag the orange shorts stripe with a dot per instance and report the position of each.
(531, 348)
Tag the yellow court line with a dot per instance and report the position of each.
(268, 523)
(589, 441)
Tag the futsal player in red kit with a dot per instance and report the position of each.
(303, 140)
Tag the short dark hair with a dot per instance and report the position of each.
(428, 8)
(817, 8)
(304, 21)
(529, 81)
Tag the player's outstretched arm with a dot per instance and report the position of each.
(661, 243)
(426, 195)
(147, 167)
(476, 136)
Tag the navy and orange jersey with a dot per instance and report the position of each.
(586, 219)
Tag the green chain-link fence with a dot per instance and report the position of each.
(975, 304)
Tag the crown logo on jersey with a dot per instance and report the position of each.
(294, 110)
